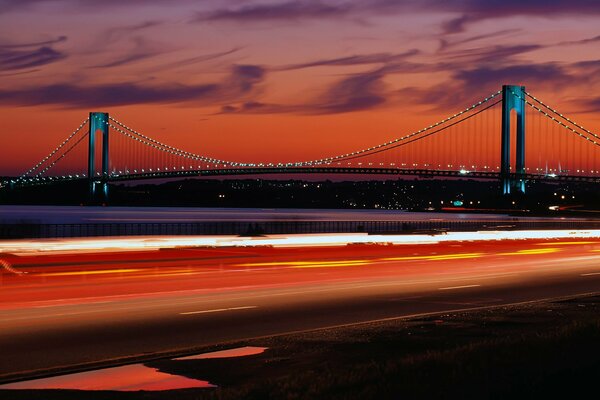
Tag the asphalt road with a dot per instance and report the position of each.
(77, 308)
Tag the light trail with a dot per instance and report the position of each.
(546, 250)
(458, 287)
(119, 244)
(91, 272)
(217, 310)
(564, 243)
(208, 295)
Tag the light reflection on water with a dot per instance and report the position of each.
(126, 378)
(133, 377)
(70, 214)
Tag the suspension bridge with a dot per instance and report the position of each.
(510, 135)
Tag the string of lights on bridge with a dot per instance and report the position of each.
(63, 155)
(162, 146)
(559, 122)
(60, 146)
(51, 159)
(173, 150)
(562, 116)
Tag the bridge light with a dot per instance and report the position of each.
(552, 175)
(464, 171)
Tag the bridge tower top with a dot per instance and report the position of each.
(98, 122)
(513, 98)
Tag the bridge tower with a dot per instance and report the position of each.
(98, 122)
(513, 98)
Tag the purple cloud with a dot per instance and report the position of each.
(588, 105)
(463, 84)
(142, 49)
(203, 58)
(354, 93)
(446, 44)
(241, 81)
(358, 59)
(499, 54)
(72, 95)
(59, 39)
(21, 59)
(477, 10)
(469, 10)
(245, 77)
(291, 10)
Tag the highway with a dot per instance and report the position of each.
(60, 309)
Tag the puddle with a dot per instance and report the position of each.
(237, 352)
(132, 377)
(126, 378)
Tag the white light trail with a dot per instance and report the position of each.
(137, 243)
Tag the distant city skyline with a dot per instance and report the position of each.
(244, 80)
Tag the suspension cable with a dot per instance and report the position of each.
(85, 121)
(165, 147)
(162, 147)
(393, 143)
(563, 116)
(427, 135)
(558, 121)
(405, 137)
(53, 163)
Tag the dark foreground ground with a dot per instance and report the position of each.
(545, 349)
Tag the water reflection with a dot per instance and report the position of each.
(126, 378)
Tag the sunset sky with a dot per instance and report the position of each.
(281, 80)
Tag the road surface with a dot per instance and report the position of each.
(73, 308)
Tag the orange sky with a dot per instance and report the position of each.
(280, 81)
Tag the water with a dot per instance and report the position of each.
(82, 215)
(126, 378)
(132, 377)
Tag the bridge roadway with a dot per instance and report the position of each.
(77, 309)
(274, 170)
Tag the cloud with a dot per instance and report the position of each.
(463, 85)
(467, 11)
(476, 10)
(356, 92)
(290, 10)
(59, 39)
(202, 58)
(116, 33)
(29, 71)
(359, 59)
(72, 95)
(142, 49)
(594, 39)
(588, 105)
(514, 74)
(456, 25)
(19, 5)
(499, 54)
(21, 59)
(367, 90)
(245, 77)
(446, 44)
(241, 81)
